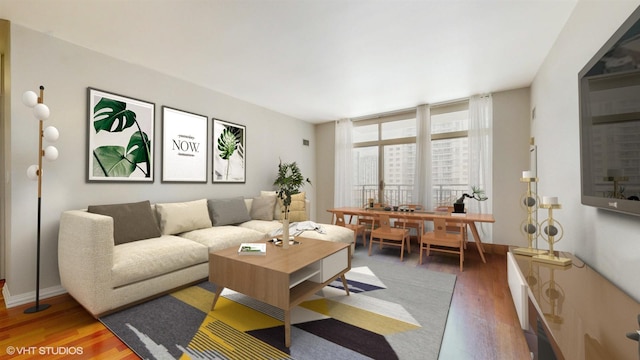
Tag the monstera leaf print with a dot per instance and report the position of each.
(116, 160)
(228, 142)
(112, 116)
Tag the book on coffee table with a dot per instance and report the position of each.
(252, 249)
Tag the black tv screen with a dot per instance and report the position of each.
(609, 87)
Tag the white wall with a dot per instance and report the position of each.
(66, 71)
(510, 157)
(607, 241)
(325, 140)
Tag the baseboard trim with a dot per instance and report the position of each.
(12, 301)
(497, 249)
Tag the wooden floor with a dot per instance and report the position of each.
(482, 322)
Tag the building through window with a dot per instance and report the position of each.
(384, 155)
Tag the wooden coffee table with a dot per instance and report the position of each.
(283, 277)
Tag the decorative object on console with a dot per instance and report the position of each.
(288, 183)
(476, 193)
(552, 233)
(34, 172)
(229, 161)
(120, 138)
(184, 146)
(529, 226)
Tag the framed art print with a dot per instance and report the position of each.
(229, 144)
(184, 146)
(120, 144)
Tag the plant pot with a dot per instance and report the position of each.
(458, 208)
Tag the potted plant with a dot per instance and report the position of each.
(476, 193)
(288, 182)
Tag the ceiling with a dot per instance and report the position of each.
(317, 60)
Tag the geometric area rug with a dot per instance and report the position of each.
(392, 313)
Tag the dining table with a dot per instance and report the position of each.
(424, 215)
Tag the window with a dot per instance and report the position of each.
(449, 151)
(384, 155)
(384, 159)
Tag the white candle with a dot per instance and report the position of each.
(527, 174)
(550, 200)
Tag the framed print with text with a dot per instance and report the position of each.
(184, 146)
(120, 144)
(229, 144)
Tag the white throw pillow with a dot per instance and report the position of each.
(175, 218)
(276, 207)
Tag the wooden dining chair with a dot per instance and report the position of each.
(388, 235)
(368, 222)
(455, 226)
(357, 229)
(418, 225)
(445, 241)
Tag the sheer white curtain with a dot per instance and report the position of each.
(481, 155)
(343, 163)
(422, 188)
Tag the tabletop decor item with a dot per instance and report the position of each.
(476, 193)
(530, 225)
(288, 182)
(552, 233)
(34, 172)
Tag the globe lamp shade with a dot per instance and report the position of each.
(50, 153)
(30, 98)
(32, 172)
(51, 134)
(41, 111)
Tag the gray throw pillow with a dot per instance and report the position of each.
(262, 207)
(228, 211)
(131, 222)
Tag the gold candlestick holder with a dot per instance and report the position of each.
(529, 226)
(552, 233)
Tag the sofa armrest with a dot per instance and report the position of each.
(85, 256)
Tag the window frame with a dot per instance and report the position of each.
(380, 143)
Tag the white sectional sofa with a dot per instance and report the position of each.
(113, 256)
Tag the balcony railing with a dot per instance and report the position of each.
(396, 194)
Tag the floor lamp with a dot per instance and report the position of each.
(34, 172)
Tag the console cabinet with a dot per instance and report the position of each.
(571, 312)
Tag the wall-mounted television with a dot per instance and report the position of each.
(609, 89)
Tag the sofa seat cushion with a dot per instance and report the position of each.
(222, 237)
(332, 232)
(145, 259)
(263, 226)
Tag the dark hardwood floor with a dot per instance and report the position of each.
(482, 321)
